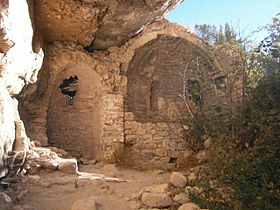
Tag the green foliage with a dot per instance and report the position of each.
(196, 135)
(255, 177)
(246, 166)
(244, 180)
(270, 46)
(215, 35)
(194, 89)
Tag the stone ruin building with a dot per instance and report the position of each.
(133, 72)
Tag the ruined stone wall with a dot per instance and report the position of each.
(94, 122)
(129, 98)
(153, 145)
(131, 79)
(153, 123)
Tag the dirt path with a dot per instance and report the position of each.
(58, 191)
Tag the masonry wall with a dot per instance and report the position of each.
(154, 118)
(130, 99)
(92, 126)
(154, 145)
(77, 126)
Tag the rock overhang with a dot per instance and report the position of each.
(101, 24)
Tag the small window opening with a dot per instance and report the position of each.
(155, 85)
(173, 160)
(69, 87)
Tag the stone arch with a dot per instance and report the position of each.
(76, 127)
(158, 72)
(164, 27)
(154, 111)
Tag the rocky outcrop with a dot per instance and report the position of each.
(171, 197)
(105, 23)
(19, 66)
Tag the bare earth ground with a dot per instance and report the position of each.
(59, 191)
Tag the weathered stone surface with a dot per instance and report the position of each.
(181, 198)
(68, 166)
(37, 143)
(19, 66)
(159, 188)
(84, 204)
(88, 161)
(7, 126)
(62, 153)
(50, 165)
(178, 180)
(157, 200)
(108, 23)
(21, 195)
(18, 207)
(189, 206)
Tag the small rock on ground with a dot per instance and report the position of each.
(156, 200)
(182, 198)
(69, 166)
(178, 180)
(157, 188)
(189, 206)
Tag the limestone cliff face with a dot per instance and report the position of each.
(19, 67)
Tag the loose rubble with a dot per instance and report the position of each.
(170, 194)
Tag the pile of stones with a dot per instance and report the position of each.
(172, 195)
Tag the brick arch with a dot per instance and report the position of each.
(156, 77)
(165, 28)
